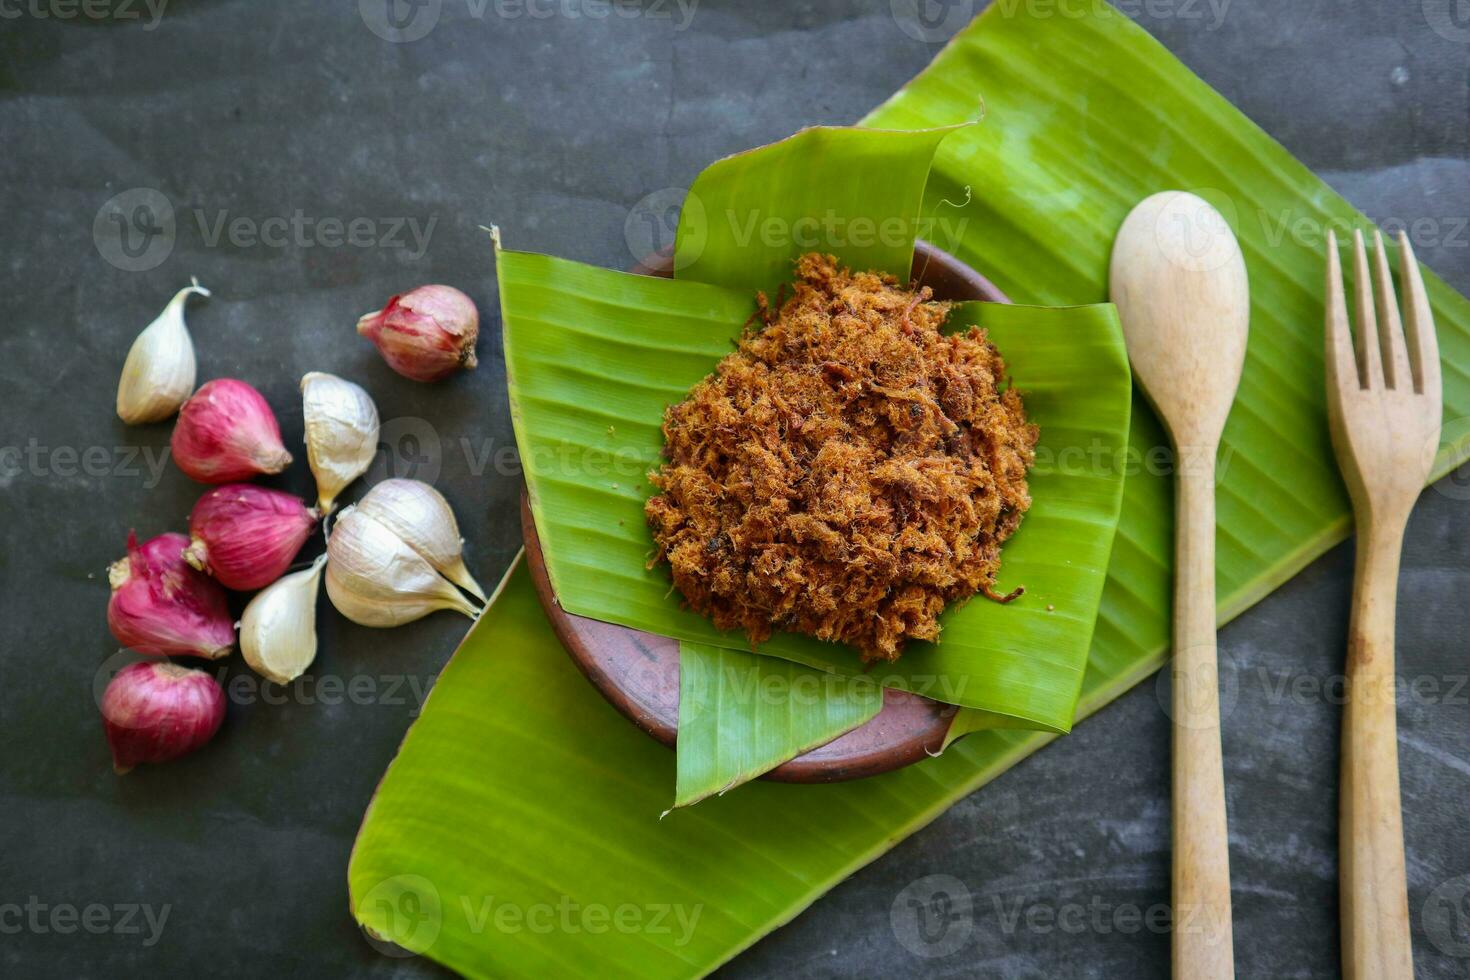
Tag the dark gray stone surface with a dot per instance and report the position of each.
(555, 127)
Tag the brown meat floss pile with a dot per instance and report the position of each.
(847, 471)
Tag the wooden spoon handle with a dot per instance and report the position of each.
(1375, 902)
(1202, 948)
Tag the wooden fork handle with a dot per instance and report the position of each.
(1375, 903)
(1202, 946)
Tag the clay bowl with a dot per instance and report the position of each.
(638, 673)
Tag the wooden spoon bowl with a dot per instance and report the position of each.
(638, 673)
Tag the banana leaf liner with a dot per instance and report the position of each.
(594, 356)
(520, 783)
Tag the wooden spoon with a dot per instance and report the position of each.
(1179, 281)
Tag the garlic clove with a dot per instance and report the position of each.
(278, 628)
(341, 433)
(247, 536)
(161, 607)
(160, 369)
(426, 334)
(227, 432)
(375, 578)
(154, 711)
(420, 515)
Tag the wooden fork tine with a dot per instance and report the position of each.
(1390, 328)
(1365, 318)
(1418, 323)
(1342, 368)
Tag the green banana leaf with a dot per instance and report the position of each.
(749, 216)
(519, 782)
(517, 832)
(588, 429)
(741, 715)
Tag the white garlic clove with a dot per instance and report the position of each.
(420, 515)
(375, 578)
(341, 433)
(158, 375)
(278, 628)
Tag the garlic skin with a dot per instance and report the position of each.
(420, 515)
(161, 607)
(227, 432)
(247, 536)
(159, 373)
(341, 433)
(375, 578)
(153, 711)
(425, 334)
(278, 628)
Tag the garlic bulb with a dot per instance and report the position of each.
(420, 515)
(159, 373)
(375, 579)
(341, 433)
(278, 629)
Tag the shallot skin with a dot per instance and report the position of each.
(425, 334)
(227, 432)
(156, 711)
(160, 606)
(247, 536)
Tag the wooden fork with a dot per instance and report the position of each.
(1384, 412)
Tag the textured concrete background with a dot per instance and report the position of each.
(556, 127)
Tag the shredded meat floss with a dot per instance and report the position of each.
(847, 471)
